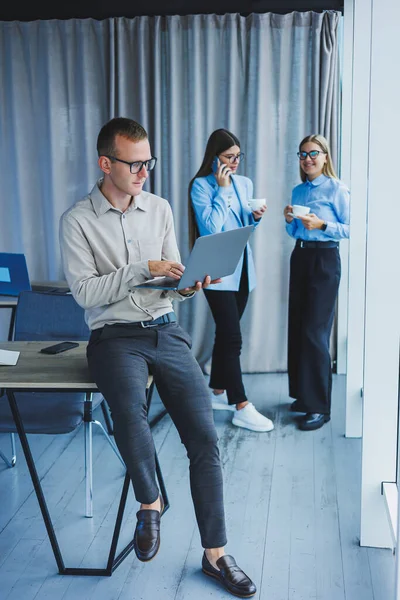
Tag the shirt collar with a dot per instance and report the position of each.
(318, 180)
(101, 205)
(140, 202)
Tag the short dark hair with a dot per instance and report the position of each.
(118, 126)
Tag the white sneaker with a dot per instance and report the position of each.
(249, 418)
(220, 402)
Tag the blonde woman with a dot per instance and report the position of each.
(318, 218)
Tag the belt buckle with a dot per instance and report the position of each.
(301, 244)
(148, 324)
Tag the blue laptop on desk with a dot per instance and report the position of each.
(14, 276)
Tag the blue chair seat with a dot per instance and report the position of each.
(49, 413)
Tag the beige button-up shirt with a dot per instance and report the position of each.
(105, 253)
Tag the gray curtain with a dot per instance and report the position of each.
(271, 79)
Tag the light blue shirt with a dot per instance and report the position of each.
(222, 209)
(329, 199)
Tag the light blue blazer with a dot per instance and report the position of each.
(213, 215)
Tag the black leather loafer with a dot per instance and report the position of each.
(230, 575)
(297, 406)
(313, 421)
(146, 540)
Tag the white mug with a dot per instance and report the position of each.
(256, 203)
(300, 211)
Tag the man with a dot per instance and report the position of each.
(115, 238)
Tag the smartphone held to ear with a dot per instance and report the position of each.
(215, 165)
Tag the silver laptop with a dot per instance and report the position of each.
(216, 255)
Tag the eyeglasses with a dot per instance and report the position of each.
(313, 154)
(232, 158)
(136, 167)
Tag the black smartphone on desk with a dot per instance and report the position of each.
(57, 348)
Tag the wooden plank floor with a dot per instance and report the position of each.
(292, 509)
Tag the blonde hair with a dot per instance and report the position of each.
(328, 168)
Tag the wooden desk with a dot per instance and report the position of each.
(66, 372)
(37, 371)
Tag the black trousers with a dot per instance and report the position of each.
(314, 283)
(227, 309)
(120, 358)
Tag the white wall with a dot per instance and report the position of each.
(375, 135)
(355, 127)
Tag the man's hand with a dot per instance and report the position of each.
(207, 281)
(166, 268)
(259, 213)
(287, 213)
(311, 221)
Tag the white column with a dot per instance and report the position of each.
(382, 297)
(396, 522)
(356, 83)
(346, 54)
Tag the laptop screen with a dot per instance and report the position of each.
(14, 276)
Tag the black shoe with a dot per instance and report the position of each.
(146, 540)
(297, 406)
(230, 575)
(313, 421)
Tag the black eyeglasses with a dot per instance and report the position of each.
(136, 167)
(232, 158)
(313, 154)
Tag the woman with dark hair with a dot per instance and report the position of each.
(219, 201)
(318, 217)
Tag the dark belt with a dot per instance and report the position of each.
(304, 244)
(123, 329)
(168, 318)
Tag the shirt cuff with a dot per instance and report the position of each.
(290, 227)
(175, 295)
(330, 229)
(140, 273)
(188, 295)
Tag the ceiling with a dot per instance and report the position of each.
(103, 9)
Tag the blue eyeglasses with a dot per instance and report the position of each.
(313, 154)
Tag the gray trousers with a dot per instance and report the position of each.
(120, 358)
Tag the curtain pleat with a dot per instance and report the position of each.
(271, 79)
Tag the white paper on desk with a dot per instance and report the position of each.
(8, 357)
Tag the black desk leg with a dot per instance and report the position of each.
(112, 562)
(36, 482)
(12, 322)
(107, 418)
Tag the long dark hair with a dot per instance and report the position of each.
(219, 141)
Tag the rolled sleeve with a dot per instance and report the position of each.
(291, 228)
(89, 288)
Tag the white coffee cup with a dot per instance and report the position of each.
(300, 211)
(256, 203)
